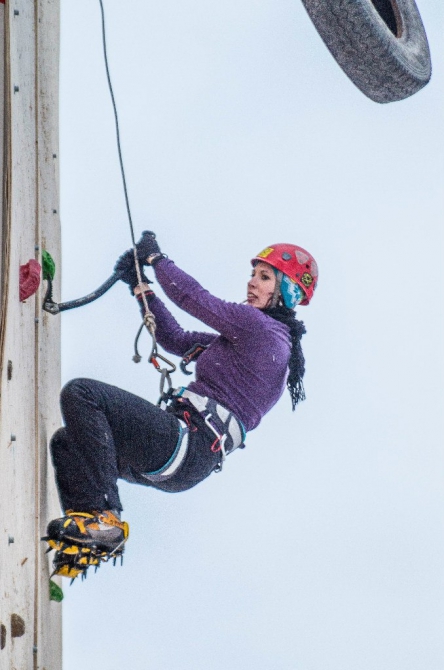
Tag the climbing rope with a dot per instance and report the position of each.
(148, 318)
(49, 268)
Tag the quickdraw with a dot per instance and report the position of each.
(226, 427)
(190, 356)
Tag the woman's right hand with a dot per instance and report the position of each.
(126, 269)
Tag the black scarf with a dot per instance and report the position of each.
(297, 361)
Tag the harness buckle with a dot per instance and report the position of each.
(219, 439)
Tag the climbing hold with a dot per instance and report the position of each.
(48, 265)
(29, 279)
(17, 626)
(55, 592)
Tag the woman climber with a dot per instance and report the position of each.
(241, 372)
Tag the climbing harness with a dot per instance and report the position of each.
(228, 429)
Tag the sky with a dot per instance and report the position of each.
(320, 546)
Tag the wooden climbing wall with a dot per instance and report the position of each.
(30, 622)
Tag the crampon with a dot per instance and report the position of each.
(82, 540)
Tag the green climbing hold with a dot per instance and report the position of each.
(55, 592)
(48, 265)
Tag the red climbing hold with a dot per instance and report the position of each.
(29, 279)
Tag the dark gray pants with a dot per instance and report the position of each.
(110, 433)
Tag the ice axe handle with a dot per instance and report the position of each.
(54, 308)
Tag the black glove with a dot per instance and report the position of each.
(147, 246)
(126, 269)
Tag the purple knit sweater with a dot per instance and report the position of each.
(245, 367)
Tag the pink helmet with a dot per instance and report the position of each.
(295, 263)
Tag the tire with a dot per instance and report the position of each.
(380, 44)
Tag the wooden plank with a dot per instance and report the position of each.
(2, 110)
(30, 382)
(18, 415)
(49, 620)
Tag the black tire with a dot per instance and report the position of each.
(380, 44)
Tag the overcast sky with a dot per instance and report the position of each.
(320, 546)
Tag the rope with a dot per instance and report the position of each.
(148, 318)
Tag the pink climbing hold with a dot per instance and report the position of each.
(29, 279)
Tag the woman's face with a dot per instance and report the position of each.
(261, 286)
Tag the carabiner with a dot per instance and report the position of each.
(153, 359)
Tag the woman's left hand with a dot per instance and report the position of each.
(147, 246)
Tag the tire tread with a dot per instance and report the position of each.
(383, 67)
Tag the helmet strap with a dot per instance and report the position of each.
(277, 289)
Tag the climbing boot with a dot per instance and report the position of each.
(82, 540)
(101, 532)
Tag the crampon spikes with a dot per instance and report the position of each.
(73, 562)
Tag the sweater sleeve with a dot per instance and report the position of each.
(169, 334)
(230, 319)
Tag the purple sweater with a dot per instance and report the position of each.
(245, 367)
